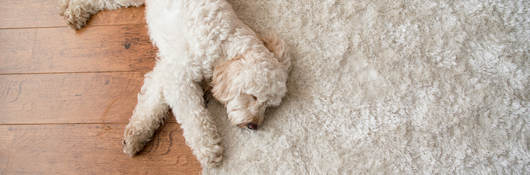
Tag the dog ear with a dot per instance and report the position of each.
(277, 47)
(222, 79)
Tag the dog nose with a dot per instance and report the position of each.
(252, 126)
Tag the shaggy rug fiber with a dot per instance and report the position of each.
(393, 87)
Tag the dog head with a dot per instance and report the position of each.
(251, 82)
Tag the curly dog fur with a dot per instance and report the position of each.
(198, 41)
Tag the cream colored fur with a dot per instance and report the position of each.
(198, 41)
(391, 87)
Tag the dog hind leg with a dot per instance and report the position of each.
(78, 12)
(147, 116)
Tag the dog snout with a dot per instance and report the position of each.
(252, 126)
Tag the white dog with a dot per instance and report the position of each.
(198, 41)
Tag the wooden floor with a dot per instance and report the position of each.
(65, 96)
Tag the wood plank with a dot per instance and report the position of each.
(100, 48)
(93, 149)
(45, 13)
(69, 98)
(131, 15)
(5, 143)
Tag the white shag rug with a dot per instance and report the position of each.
(393, 87)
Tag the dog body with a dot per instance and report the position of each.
(198, 41)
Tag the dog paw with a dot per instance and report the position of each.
(76, 14)
(131, 148)
(212, 156)
(133, 142)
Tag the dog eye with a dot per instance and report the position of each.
(254, 97)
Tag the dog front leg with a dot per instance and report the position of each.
(147, 116)
(77, 12)
(185, 97)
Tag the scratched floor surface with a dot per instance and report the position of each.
(66, 96)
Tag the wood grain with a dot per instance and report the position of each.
(91, 149)
(69, 98)
(45, 13)
(100, 48)
(65, 95)
(5, 142)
